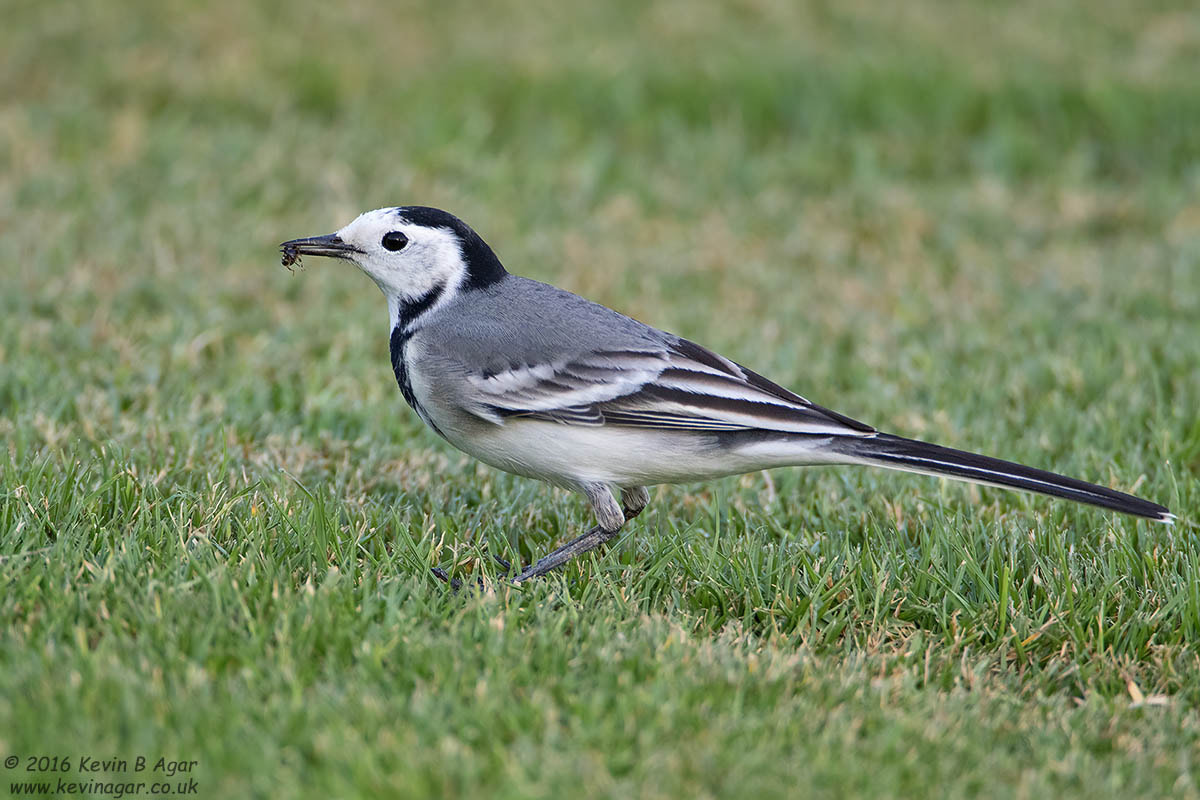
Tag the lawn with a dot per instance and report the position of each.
(960, 222)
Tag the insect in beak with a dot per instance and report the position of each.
(331, 246)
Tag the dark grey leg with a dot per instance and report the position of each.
(611, 517)
(634, 500)
(590, 540)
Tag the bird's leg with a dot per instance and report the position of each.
(588, 541)
(611, 517)
(634, 499)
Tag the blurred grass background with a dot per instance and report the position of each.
(964, 222)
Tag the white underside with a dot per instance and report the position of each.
(573, 455)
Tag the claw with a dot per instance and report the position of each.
(440, 574)
(455, 584)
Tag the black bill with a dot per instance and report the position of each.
(331, 246)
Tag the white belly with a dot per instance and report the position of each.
(575, 455)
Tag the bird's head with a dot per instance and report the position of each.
(415, 254)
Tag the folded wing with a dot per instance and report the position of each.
(679, 386)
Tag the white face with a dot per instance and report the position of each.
(426, 258)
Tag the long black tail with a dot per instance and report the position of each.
(911, 455)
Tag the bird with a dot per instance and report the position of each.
(540, 382)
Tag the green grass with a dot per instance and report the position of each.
(970, 224)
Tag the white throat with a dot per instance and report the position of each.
(408, 311)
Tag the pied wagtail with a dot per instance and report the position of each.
(540, 382)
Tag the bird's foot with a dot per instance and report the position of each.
(455, 583)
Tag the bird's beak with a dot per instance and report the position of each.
(330, 245)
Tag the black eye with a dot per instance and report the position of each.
(394, 241)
